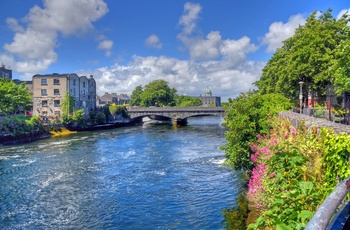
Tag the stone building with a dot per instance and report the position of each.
(50, 89)
(209, 100)
(109, 98)
(5, 72)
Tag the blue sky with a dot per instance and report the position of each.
(222, 44)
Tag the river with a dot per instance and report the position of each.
(142, 177)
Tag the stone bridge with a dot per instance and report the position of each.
(178, 114)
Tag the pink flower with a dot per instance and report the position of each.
(293, 131)
(285, 136)
(272, 174)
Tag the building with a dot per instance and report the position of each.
(5, 72)
(50, 89)
(209, 100)
(107, 98)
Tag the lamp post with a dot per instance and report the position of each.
(301, 95)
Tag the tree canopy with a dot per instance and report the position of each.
(308, 56)
(156, 93)
(13, 97)
(183, 101)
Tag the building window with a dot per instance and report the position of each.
(73, 81)
(56, 92)
(43, 92)
(43, 81)
(83, 92)
(56, 103)
(83, 83)
(56, 81)
(44, 103)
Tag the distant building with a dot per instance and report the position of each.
(50, 89)
(5, 72)
(209, 100)
(107, 98)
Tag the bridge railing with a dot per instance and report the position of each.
(329, 207)
(171, 109)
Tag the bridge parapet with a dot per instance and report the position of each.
(175, 112)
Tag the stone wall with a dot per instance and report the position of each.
(297, 118)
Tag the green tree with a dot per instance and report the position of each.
(13, 97)
(136, 96)
(184, 100)
(246, 116)
(158, 93)
(307, 56)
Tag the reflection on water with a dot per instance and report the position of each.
(154, 177)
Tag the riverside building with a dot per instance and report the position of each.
(50, 89)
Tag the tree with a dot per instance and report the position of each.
(306, 56)
(184, 100)
(156, 93)
(136, 96)
(247, 115)
(13, 97)
(341, 65)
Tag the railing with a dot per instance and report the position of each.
(325, 212)
(174, 109)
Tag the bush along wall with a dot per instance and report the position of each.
(20, 127)
(295, 169)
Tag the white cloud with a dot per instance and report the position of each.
(279, 31)
(206, 49)
(186, 76)
(153, 41)
(190, 16)
(218, 63)
(107, 46)
(34, 43)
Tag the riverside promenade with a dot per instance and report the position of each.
(296, 118)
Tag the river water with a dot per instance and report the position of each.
(142, 177)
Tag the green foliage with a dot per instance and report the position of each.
(118, 109)
(136, 96)
(336, 158)
(16, 126)
(67, 106)
(183, 101)
(97, 117)
(156, 93)
(248, 115)
(13, 96)
(308, 56)
(300, 168)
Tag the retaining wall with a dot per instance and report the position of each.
(297, 118)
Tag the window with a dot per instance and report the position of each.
(56, 81)
(83, 83)
(56, 103)
(43, 92)
(73, 81)
(56, 92)
(44, 103)
(43, 81)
